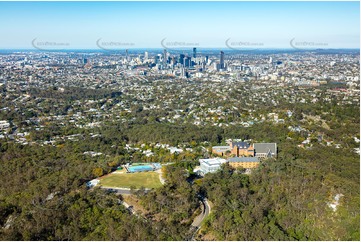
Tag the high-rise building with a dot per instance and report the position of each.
(182, 72)
(126, 55)
(194, 52)
(156, 58)
(221, 62)
(181, 59)
(187, 61)
(146, 55)
(165, 57)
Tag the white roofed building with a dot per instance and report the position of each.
(211, 165)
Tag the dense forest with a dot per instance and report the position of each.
(286, 199)
(43, 194)
(43, 197)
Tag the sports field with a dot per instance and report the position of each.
(126, 180)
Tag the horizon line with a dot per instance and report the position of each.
(189, 48)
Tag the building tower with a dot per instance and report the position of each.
(146, 55)
(194, 52)
(181, 58)
(221, 62)
(126, 55)
(164, 57)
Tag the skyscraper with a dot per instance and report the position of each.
(181, 58)
(146, 55)
(194, 52)
(156, 58)
(221, 62)
(187, 61)
(126, 55)
(165, 57)
(182, 71)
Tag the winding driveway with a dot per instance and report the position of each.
(196, 225)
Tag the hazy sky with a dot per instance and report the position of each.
(207, 24)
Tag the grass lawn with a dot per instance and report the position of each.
(138, 179)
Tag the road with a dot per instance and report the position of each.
(205, 211)
(121, 190)
(199, 219)
(117, 190)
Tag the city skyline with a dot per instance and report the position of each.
(159, 25)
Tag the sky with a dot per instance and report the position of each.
(109, 25)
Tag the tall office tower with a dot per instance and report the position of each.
(146, 55)
(206, 59)
(187, 61)
(221, 62)
(165, 57)
(181, 58)
(126, 55)
(182, 71)
(216, 66)
(194, 52)
(156, 58)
